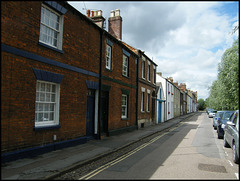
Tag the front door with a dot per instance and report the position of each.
(104, 113)
(90, 112)
(159, 111)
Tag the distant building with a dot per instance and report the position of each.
(161, 98)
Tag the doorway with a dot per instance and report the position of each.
(90, 112)
(104, 113)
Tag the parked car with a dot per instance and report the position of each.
(222, 122)
(212, 113)
(231, 135)
(208, 110)
(217, 117)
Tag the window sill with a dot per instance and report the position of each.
(126, 76)
(52, 48)
(110, 70)
(39, 128)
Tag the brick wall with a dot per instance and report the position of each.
(118, 82)
(20, 29)
(146, 117)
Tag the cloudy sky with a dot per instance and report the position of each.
(185, 39)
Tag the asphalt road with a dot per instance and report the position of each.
(189, 151)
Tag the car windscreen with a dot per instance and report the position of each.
(219, 114)
(227, 115)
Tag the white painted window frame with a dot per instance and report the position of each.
(124, 106)
(125, 65)
(41, 102)
(108, 57)
(49, 28)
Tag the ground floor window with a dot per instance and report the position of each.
(124, 105)
(142, 101)
(47, 103)
(148, 102)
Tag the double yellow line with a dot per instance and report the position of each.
(107, 165)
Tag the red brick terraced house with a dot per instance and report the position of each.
(118, 78)
(64, 79)
(146, 89)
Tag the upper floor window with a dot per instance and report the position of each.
(154, 74)
(125, 70)
(148, 72)
(143, 68)
(51, 28)
(108, 57)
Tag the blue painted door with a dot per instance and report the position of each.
(90, 113)
(159, 112)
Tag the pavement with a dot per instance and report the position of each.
(51, 164)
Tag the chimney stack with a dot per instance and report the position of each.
(96, 17)
(115, 24)
(182, 87)
(170, 79)
(159, 73)
(175, 83)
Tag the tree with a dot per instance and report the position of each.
(201, 104)
(228, 75)
(224, 92)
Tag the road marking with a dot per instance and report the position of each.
(226, 153)
(236, 174)
(230, 163)
(107, 165)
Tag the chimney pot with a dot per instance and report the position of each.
(112, 13)
(92, 13)
(117, 12)
(99, 12)
(88, 13)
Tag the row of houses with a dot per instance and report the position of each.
(65, 79)
(173, 99)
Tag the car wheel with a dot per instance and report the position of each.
(235, 157)
(225, 143)
(219, 137)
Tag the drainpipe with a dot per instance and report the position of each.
(100, 83)
(137, 95)
(166, 105)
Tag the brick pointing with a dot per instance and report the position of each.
(20, 27)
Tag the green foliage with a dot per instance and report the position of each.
(224, 92)
(201, 104)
